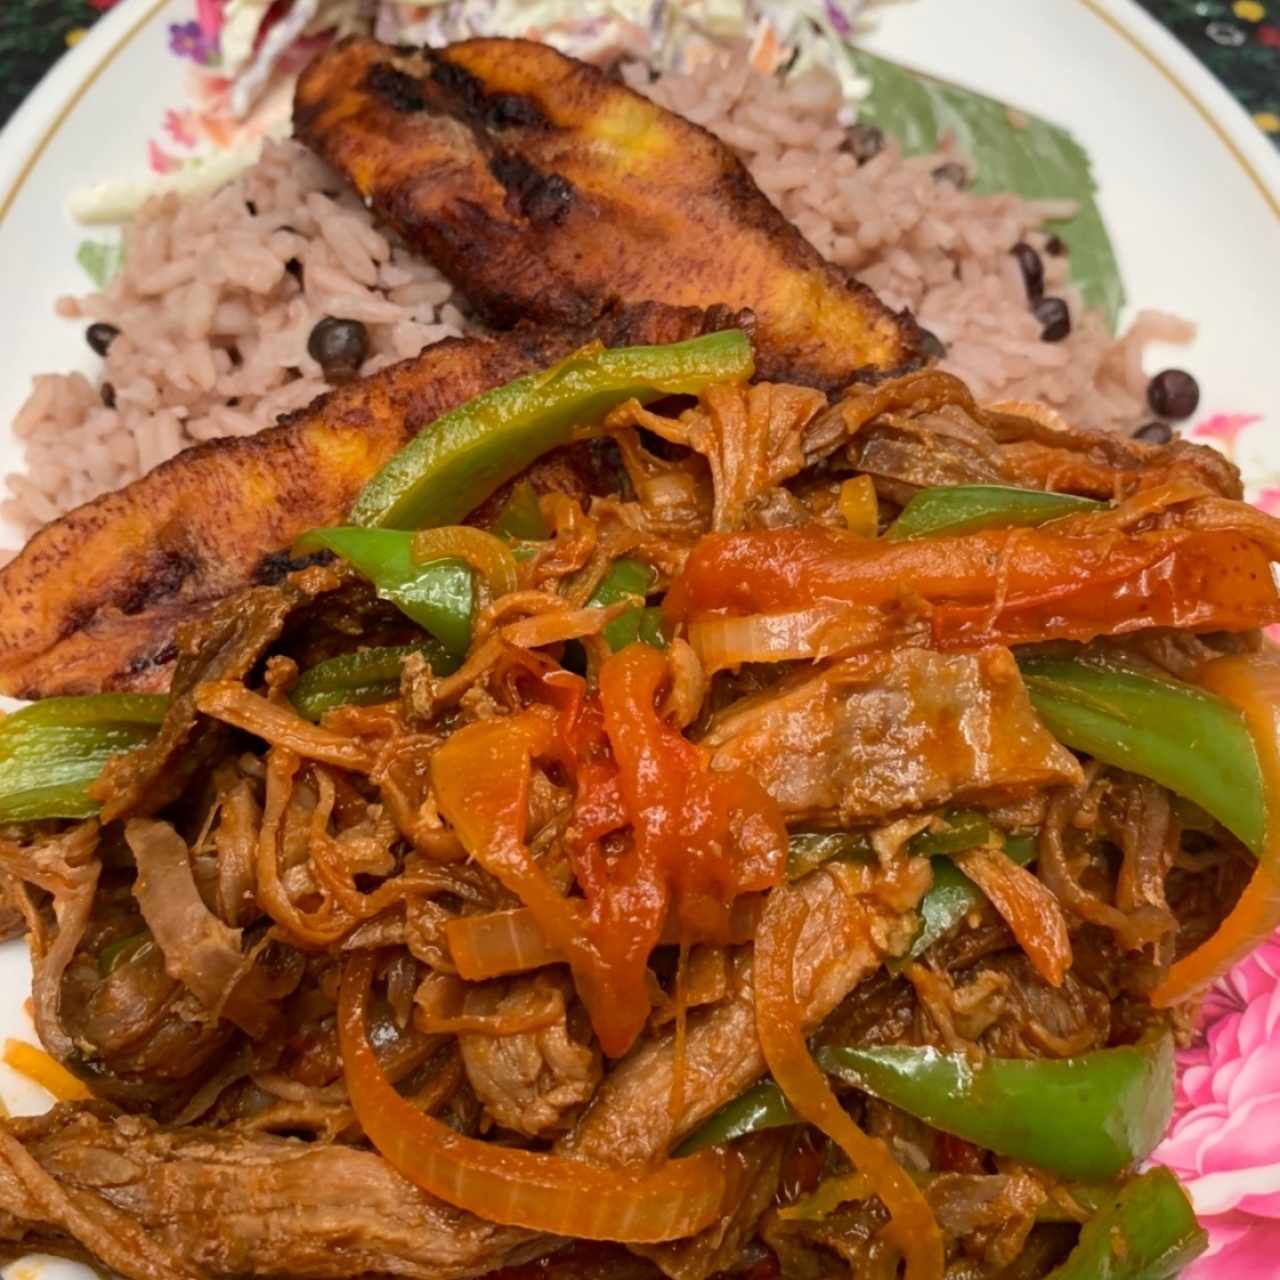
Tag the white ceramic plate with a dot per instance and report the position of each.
(1190, 192)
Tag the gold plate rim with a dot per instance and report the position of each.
(51, 130)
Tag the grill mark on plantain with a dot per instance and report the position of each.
(163, 577)
(276, 566)
(474, 103)
(514, 110)
(78, 617)
(399, 90)
(146, 661)
(539, 197)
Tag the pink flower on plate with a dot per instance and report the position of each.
(210, 17)
(160, 160)
(1268, 500)
(1224, 427)
(177, 124)
(1224, 1142)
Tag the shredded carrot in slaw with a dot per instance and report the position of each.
(27, 1060)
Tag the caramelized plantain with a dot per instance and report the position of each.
(94, 599)
(544, 190)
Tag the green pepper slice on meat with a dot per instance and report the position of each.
(807, 850)
(51, 750)
(521, 517)
(762, 1107)
(953, 895)
(438, 596)
(966, 508)
(362, 679)
(627, 578)
(1090, 1117)
(456, 462)
(1182, 737)
(1146, 1231)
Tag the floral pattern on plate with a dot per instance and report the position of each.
(1223, 1140)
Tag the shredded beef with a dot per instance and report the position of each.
(219, 1204)
(865, 739)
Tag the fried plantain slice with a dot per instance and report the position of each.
(544, 189)
(93, 601)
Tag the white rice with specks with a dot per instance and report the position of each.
(218, 294)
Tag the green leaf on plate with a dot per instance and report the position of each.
(1010, 151)
(101, 259)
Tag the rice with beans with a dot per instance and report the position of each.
(219, 294)
(215, 303)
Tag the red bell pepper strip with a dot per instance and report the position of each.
(998, 586)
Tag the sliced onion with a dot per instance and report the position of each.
(779, 1024)
(481, 779)
(517, 1188)
(313, 930)
(667, 490)
(498, 943)
(823, 631)
(442, 1007)
(1027, 906)
(1033, 410)
(1252, 683)
(67, 866)
(230, 702)
(563, 624)
(488, 555)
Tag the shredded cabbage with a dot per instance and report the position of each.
(671, 32)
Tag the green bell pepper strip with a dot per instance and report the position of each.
(643, 625)
(1147, 1231)
(1184, 738)
(362, 679)
(438, 596)
(51, 750)
(457, 461)
(953, 833)
(807, 850)
(966, 508)
(1090, 1117)
(521, 517)
(763, 1107)
(953, 895)
(629, 578)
